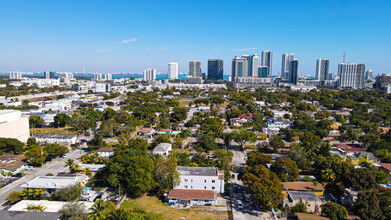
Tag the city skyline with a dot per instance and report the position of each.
(119, 37)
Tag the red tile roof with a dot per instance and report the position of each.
(186, 194)
(386, 166)
(356, 149)
(106, 149)
(342, 145)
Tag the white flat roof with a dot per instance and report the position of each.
(51, 206)
(54, 182)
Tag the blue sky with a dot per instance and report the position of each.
(130, 36)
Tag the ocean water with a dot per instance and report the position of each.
(115, 76)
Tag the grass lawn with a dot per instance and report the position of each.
(152, 204)
(180, 150)
(53, 130)
(184, 102)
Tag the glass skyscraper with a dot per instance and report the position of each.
(216, 69)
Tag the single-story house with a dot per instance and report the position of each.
(303, 186)
(163, 149)
(310, 199)
(146, 132)
(191, 197)
(105, 152)
(51, 206)
(12, 163)
(13, 167)
(61, 139)
(21, 215)
(53, 183)
(164, 131)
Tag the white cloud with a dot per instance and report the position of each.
(149, 48)
(216, 48)
(163, 48)
(127, 41)
(245, 49)
(102, 51)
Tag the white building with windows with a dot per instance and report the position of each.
(351, 75)
(15, 75)
(102, 87)
(61, 139)
(173, 70)
(149, 75)
(201, 178)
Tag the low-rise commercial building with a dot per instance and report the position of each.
(53, 183)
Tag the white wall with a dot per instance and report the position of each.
(201, 183)
(18, 129)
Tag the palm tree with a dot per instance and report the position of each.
(38, 193)
(97, 210)
(35, 208)
(118, 214)
(328, 175)
(75, 167)
(69, 163)
(87, 171)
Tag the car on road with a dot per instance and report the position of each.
(247, 198)
(30, 168)
(240, 204)
(233, 176)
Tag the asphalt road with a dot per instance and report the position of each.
(248, 212)
(54, 167)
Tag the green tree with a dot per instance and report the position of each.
(373, 204)
(276, 142)
(165, 174)
(223, 158)
(285, 169)
(264, 185)
(36, 121)
(13, 197)
(328, 175)
(55, 150)
(36, 156)
(213, 126)
(120, 214)
(11, 145)
(73, 211)
(206, 142)
(243, 136)
(258, 159)
(131, 169)
(180, 113)
(35, 208)
(67, 194)
(165, 138)
(299, 208)
(61, 119)
(97, 210)
(360, 179)
(334, 211)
